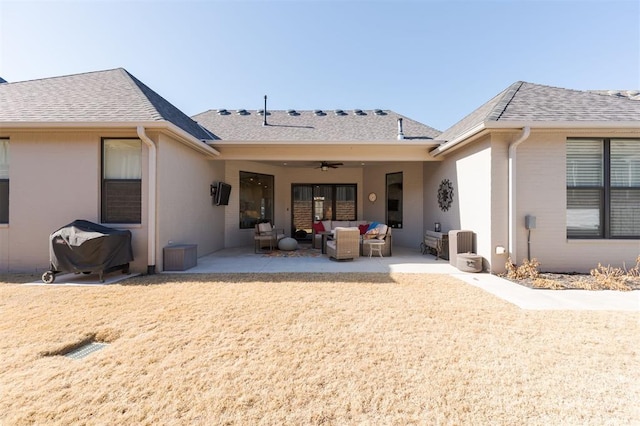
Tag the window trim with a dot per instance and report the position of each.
(8, 181)
(268, 217)
(104, 182)
(606, 190)
(400, 208)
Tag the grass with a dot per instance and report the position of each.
(309, 349)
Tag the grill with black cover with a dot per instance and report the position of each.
(86, 247)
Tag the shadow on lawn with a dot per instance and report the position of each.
(297, 277)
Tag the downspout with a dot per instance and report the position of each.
(526, 131)
(151, 229)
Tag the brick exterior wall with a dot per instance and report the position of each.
(345, 210)
(302, 214)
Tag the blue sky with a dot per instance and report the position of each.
(433, 61)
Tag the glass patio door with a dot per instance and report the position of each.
(314, 202)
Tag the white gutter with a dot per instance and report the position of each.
(526, 131)
(151, 227)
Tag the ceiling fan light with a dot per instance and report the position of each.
(324, 168)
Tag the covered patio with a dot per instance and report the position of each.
(243, 259)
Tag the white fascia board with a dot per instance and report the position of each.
(446, 146)
(625, 125)
(390, 143)
(200, 146)
(467, 136)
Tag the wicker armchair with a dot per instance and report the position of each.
(267, 236)
(345, 244)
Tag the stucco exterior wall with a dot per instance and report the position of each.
(55, 179)
(469, 171)
(410, 235)
(186, 212)
(499, 250)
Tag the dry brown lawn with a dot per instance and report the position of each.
(309, 349)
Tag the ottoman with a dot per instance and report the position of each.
(469, 262)
(288, 244)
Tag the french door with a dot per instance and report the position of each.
(314, 202)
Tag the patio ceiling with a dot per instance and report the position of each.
(352, 153)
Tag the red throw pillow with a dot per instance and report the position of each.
(318, 227)
(363, 228)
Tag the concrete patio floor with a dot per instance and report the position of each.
(243, 259)
(407, 260)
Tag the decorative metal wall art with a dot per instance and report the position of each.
(445, 195)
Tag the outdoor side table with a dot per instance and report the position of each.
(376, 245)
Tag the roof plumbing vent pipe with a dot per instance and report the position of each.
(264, 122)
(400, 134)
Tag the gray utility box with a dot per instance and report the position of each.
(180, 257)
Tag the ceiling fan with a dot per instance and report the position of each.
(325, 165)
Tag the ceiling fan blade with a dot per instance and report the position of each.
(325, 165)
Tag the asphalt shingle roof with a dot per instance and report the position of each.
(102, 96)
(308, 126)
(528, 102)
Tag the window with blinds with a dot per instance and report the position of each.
(625, 188)
(603, 188)
(121, 181)
(4, 180)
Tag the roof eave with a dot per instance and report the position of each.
(464, 138)
(482, 128)
(201, 146)
(394, 142)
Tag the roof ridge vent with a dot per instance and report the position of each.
(359, 112)
(319, 113)
(340, 112)
(293, 112)
(223, 112)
